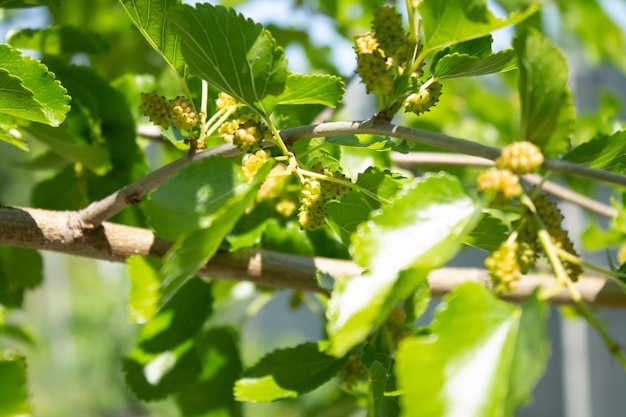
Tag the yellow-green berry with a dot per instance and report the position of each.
(503, 267)
(225, 101)
(312, 212)
(182, 114)
(425, 98)
(253, 162)
(155, 107)
(331, 189)
(527, 244)
(501, 182)
(520, 157)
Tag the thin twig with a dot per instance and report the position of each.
(409, 161)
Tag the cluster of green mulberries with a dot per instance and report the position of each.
(528, 247)
(314, 195)
(246, 132)
(177, 111)
(425, 98)
(352, 372)
(377, 51)
(553, 218)
(520, 158)
(182, 114)
(155, 107)
(312, 212)
(225, 101)
(503, 267)
(503, 183)
(253, 162)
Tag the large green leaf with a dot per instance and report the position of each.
(195, 248)
(461, 65)
(312, 89)
(421, 230)
(164, 359)
(488, 234)
(482, 358)
(605, 152)
(59, 40)
(190, 199)
(28, 90)
(149, 17)
(547, 106)
(211, 395)
(452, 21)
(20, 269)
(287, 373)
(380, 404)
(13, 391)
(231, 52)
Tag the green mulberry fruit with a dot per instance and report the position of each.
(424, 99)
(503, 267)
(155, 107)
(246, 132)
(312, 212)
(253, 162)
(520, 158)
(501, 182)
(331, 189)
(387, 25)
(182, 114)
(371, 64)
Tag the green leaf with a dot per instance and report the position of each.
(373, 142)
(195, 248)
(189, 200)
(419, 231)
(211, 395)
(346, 213)
(594, 238)
(144, 289)
(461, 65)
(547, 106)
(20, 269)
(149, 16)
(231, 52)
(59, 40)
(13, 391)
(381, 405)
(606, 152)
(448, 22)
(164, 359)
(64, 191)
(482, 358)
(287, 373)
(28, 90)
(312, 89)
(66, 144)
(488, 234)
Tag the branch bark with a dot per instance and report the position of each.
(64, 232)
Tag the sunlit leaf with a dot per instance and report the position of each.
(144, 289)
(488, 234)
(482, 358)
(547, 106)
(458, 65)
(287, 373)
(398, 246)
(149, 17)
(605, 152)
(13, 390)
(28, 90)
(232, 53)
(448, 22)
(311, 89)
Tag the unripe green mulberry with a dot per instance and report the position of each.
(352, 372)
(503, 267)
(520, 157)
(330, 189)
(224, 102)
(424, 99)
(528, 247)
(372, 65)
(253, 162)
(246, 132)
(155, 107)
(182, 114)
(501, 182)
(387, 25)
(312, 212)
(553, 218)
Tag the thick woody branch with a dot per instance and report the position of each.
(63, 232)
